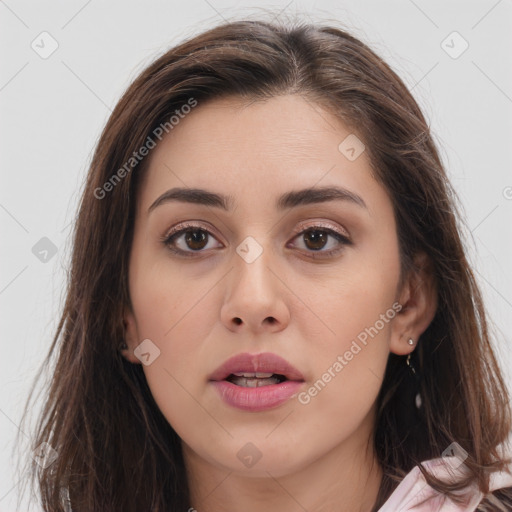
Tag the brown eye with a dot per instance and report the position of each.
(196, 239)
(317, 238)
(188, 240)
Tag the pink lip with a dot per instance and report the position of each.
(256, 399)
(264, 363)
(259, 398)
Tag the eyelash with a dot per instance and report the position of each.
(168, 238)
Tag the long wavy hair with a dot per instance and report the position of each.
(116, 451)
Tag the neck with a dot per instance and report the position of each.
(346, 478)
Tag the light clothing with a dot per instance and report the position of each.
(413, 494)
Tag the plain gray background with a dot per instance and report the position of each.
(53, 108)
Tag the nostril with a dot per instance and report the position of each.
(238, 321)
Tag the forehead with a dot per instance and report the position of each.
(252, 151)
(283, 125)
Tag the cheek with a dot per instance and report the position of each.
(350, 359)
(351, 301)
(358, 307)
(171, 307)
(176, 313)
(348, 370)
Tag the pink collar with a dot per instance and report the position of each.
(413, 494)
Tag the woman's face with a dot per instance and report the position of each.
(312, 281)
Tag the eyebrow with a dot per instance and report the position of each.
(286, 201)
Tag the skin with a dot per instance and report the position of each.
(317, 456)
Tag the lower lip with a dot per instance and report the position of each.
(256, 399)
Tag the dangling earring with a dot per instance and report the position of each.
(409, 364)
(416, 376)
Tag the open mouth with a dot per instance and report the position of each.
(255, 380)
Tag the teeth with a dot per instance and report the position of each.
(254, 382)
(253, 375)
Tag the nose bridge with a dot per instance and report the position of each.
(254, 296)
(253, 262)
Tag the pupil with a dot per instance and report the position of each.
(322, 238)
(192, 239)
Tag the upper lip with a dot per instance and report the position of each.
(252, 363)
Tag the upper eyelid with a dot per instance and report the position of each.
(180, 228)
(314, 224)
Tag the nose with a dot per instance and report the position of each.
(255, 295)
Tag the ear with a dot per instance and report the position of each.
(418, 297)
(130, 336)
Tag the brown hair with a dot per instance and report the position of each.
(116, 451)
